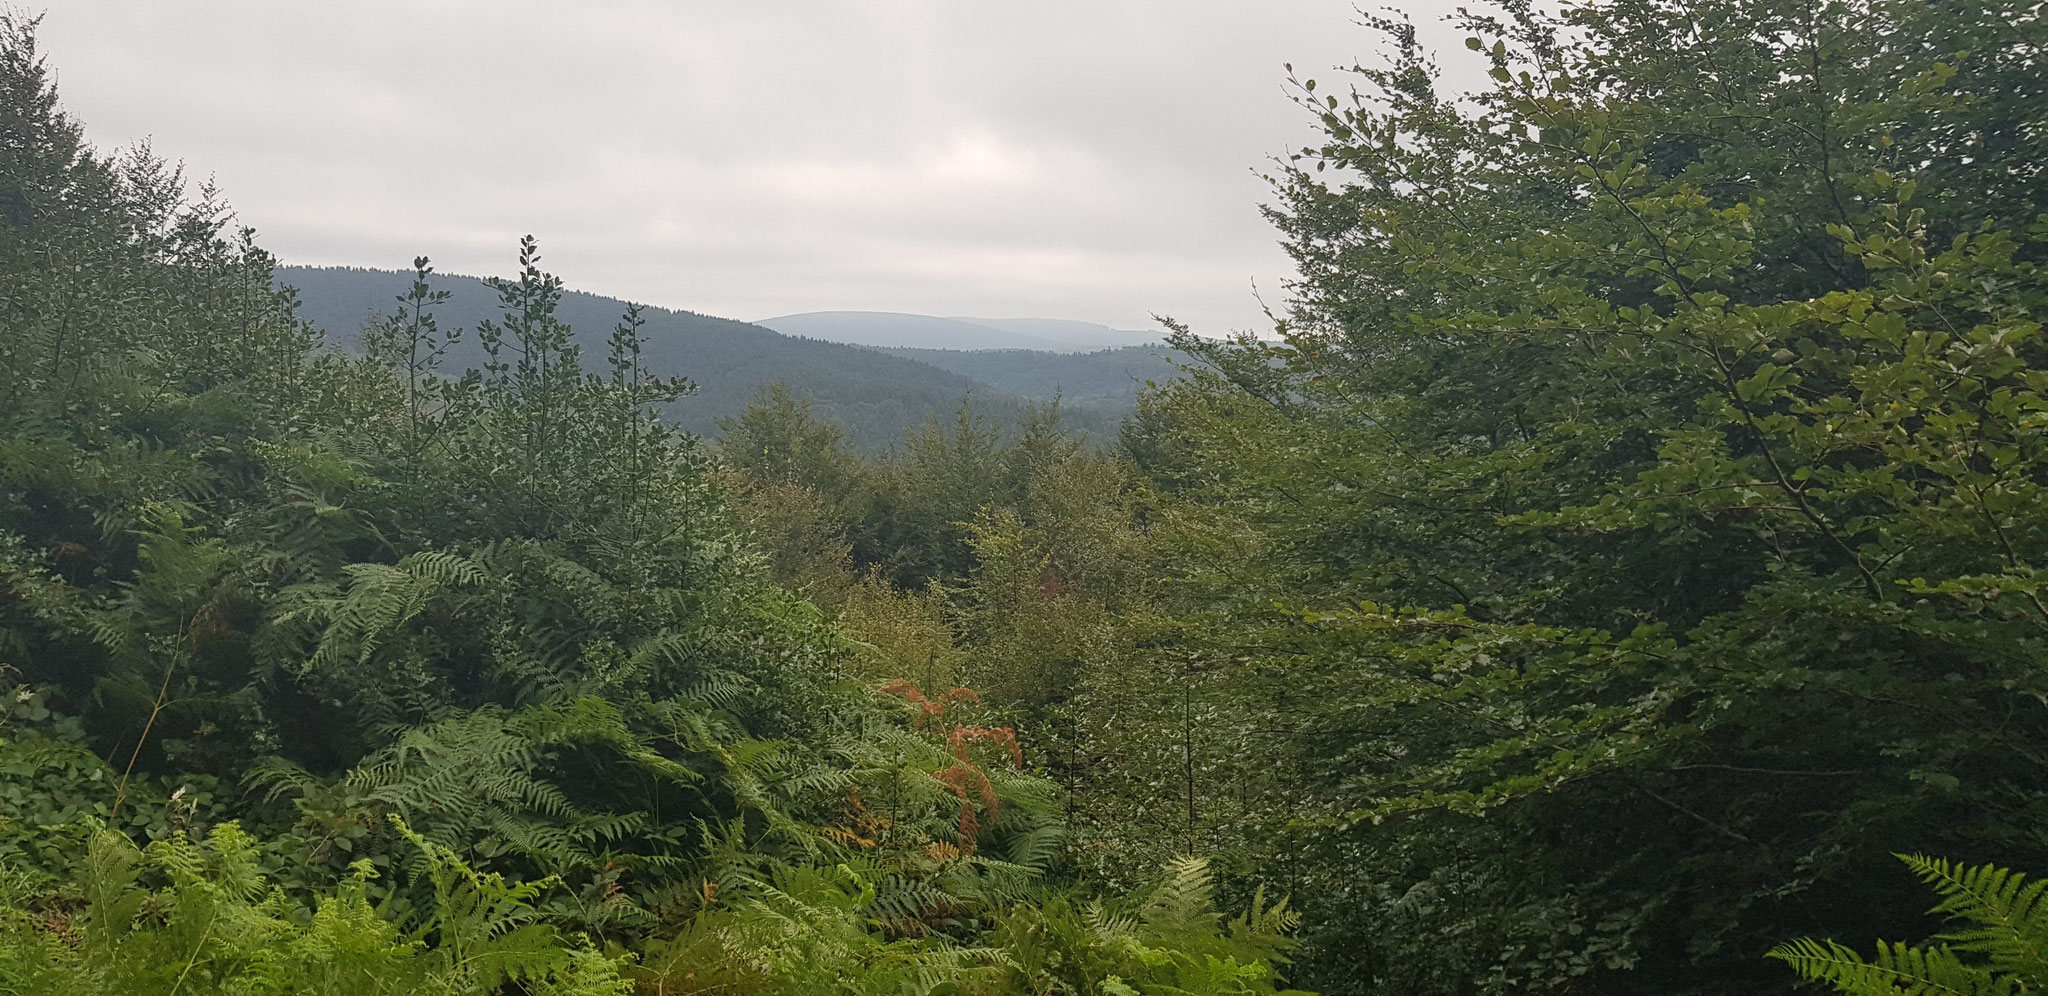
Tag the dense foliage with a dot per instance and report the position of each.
(1637, 527)
(337, 671)
(1631, 537)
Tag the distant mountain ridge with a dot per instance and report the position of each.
(894, 330)
(1108, 378)
(875, 395)
(1085, 337)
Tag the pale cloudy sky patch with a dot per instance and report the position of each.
(1066, 159)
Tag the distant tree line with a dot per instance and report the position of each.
(877, 395)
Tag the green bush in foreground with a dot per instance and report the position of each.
(186, 917)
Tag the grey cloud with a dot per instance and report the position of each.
(1087, 160)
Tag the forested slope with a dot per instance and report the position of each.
(877, 397)
(1107, 379)
(894, 330)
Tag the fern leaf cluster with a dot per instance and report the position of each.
(220, 925)
(1998, 945)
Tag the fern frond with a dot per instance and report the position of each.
(1898, 969)
(1037, 847)
(278, 777)
(2009, 914)
(1108, 926)
(1261, 919)
(444, 568)
(1184, 900)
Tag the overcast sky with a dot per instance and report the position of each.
(1092, 160)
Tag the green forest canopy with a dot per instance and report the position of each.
(877, 397)
(1626, 542)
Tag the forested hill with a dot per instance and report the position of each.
(1107, 378)
(876, 396)
(894, 330)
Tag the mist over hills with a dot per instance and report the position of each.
(1075, 336)
(1108, 379)
(892, 330)
(877, 394)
